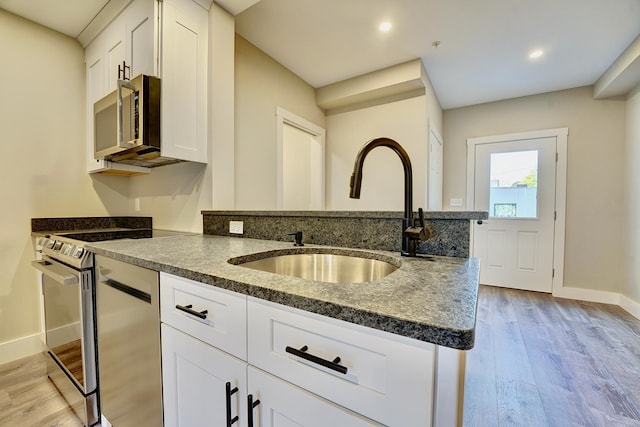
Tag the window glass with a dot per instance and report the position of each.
(513, 189)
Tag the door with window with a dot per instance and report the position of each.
(514, 179)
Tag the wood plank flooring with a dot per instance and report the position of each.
(543, 361)
(538, 361)
(29, 399)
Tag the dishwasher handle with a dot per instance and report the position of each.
(57, 272)
(122, 287)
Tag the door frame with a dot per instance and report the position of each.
(286, 117)
(434, 135)
(561, 137)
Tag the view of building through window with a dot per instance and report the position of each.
(514, 185)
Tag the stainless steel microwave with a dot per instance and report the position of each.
(127, 122)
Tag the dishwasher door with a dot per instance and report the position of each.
(128, 315)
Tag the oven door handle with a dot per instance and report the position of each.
(57, 272)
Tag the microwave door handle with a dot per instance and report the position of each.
(127, 84)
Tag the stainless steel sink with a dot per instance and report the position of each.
(322, 267)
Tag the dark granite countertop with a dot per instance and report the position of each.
(430, 299)
(470, 215)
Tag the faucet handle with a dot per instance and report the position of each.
(298, 238)
(418, 230)
(421, 218)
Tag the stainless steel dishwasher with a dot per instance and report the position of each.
(128, 324)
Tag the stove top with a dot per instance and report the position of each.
(69, 247)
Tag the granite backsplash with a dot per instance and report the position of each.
(450, 231)
(89, 223)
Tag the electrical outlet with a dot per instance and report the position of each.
(236, 227)
(136, 204)
(455, 202)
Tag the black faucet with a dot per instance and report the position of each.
(411, 232)
(298, 238)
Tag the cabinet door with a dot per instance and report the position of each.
(96, 89)
(284, 405)
(140, 30)
(184, 80)
(194, 380)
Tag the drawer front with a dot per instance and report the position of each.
(215, 316)
(386, 380)
(283, 405)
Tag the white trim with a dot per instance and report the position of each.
(629, 305)
(21, 347)
(285, 117)
(603, 297)
(561, 138)
(433, 132)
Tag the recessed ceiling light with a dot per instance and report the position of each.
(536, 54)
(384, 27)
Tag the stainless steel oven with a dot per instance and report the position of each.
(69, 318)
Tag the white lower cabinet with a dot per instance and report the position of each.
(194, 379)
(284, 405)
(299, 368)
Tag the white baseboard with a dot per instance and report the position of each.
(587, 295)
(629, 305)
(21, 347)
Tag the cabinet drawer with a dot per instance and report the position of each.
(282, 404)
(387, 379)
(224, 325)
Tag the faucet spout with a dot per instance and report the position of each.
(408, 244)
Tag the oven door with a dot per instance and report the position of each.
(69, 320)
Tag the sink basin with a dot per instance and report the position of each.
(322, 267)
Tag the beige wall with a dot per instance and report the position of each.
(43, 161)
(383, 177)
(262, 84)
(595, 180)
(631, 287)
(175, 195)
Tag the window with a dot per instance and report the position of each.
(513, 189)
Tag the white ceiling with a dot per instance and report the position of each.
(483, 51)
(484, 45)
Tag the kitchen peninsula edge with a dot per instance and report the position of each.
(429, 298)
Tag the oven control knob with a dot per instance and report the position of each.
(77, 252)
(50, 243)
(57, 245)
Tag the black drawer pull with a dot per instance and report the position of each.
(187, 309)
(331, 364)
(250, 405)
(230, 392)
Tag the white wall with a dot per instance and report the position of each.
(631, 288)
(262, 84)
(594, 227)
(43, 161)
(383, 177)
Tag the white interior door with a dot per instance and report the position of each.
(515, 181)
(434, 182)
(300, 163)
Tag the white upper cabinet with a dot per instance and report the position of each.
(167, 39)
(184, 80)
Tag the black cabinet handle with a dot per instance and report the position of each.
(188, 309)
(230, 392)
(331, 364)
(250, 405)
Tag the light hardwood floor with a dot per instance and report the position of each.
(543, 361)
(29, 399)
(538, 361)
